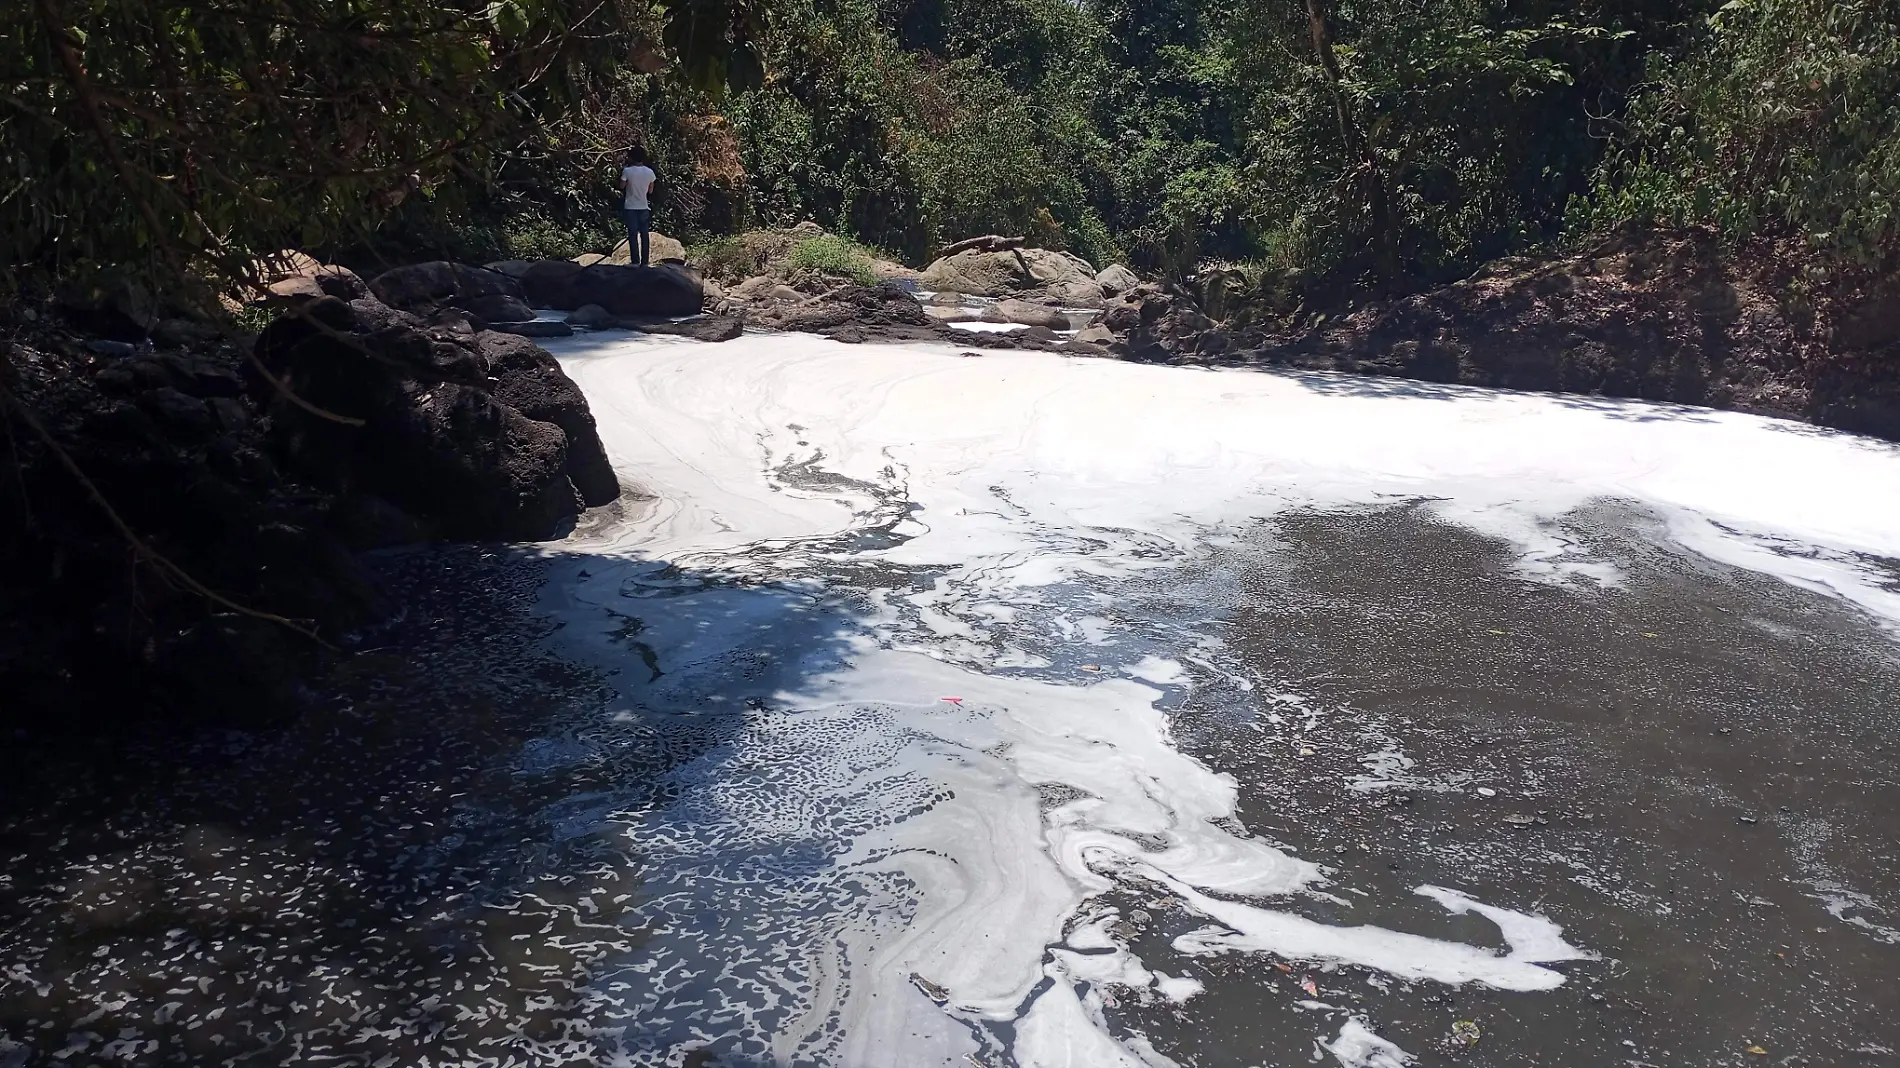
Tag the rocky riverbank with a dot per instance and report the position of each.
(181, 528)
(1661, 316)
(185, 508)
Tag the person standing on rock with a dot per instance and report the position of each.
(637, 179)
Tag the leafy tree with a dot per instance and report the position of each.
(1406, 141)
(183, 137)
(1785, 115)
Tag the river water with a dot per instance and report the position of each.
(929, 708)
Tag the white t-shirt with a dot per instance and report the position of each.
(639, 179)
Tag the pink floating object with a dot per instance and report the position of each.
(952, 700)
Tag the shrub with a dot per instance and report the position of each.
(1787, 116)
(835, 255)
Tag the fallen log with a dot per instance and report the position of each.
(986, 243)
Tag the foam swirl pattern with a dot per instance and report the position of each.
(851, 614)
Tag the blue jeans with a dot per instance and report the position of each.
(639, 225)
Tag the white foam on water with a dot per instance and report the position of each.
(981, 327)
(1534, 940)
(840, 540)
(1358, 1047)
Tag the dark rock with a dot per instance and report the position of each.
(235, 671)
(545, 284)
(621, 291)
(111, 349)
(450, 320)
(873, 307)
(183, 415)
(699, 328)
(229, 413)
(182, 333)
(1666, 315)
(111, 307)
(434, 442)
(117, 378)
(476, 468)
(201, 377)
(288, 331)
(366, 522)
(428, 357)
(120, 423)
(341, 283)
(423, 284)
(150, 374)
(1121, 318)
(548, 328)
(498, 308)
(531, 381)
(372, 314)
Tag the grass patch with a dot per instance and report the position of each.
(732, 259)
(832, 254)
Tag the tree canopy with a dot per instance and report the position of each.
(1319, 146)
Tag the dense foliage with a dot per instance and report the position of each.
(1786, 116)
(183, 136)
(1329, 147)
(1319, 149)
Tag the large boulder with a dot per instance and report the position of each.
(109, 305)
(1159, 323)
(499, 308)
(1054, 276)
(421, 285)
(1116, 279)
(659, 249)
(1023, 313)
(952, 313)
(531, 381)
(420, 417)
(292, 277)
(546, 283)
(475, 467)
(623, 292)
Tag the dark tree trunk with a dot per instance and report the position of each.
(1367, 176)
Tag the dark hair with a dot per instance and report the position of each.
(636, 155)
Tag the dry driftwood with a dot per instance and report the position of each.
(986, 243)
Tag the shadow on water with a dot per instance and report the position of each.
(1626, 409)
(430, 867)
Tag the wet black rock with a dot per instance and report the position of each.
(469, 435)
(620, 291)
(530, 381)
(440, 282)
(539, 328)
(110, 307)
(499, 308)
(183, 416)
(699, 328)
(472, 467)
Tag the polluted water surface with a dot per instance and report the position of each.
(926, 709)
